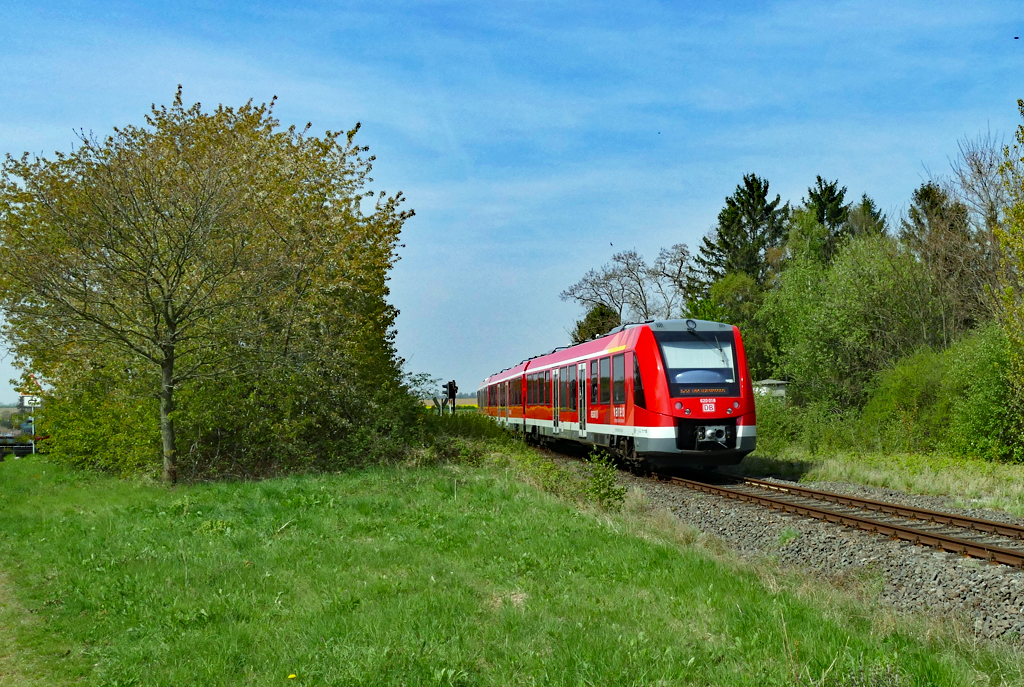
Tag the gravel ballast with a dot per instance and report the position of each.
(915, 578)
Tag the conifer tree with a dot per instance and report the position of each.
(748, 227)
(865, 219)
(825, 198)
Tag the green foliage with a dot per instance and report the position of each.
(825, 201)
(705, 309)
(1011, 241)
(466, 425)
(749, 226)
(738, 300)
(808, 238)
(101, 421)
(954, 401)
(907, 409)
(865, 219)
(777, 425)
(243, 283)
(602, 483)
(599, 320)
(984, 420)
(837, 326)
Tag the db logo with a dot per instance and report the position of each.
(709, 407)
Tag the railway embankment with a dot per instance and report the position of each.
(985, 598)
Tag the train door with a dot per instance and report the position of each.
(581, 394)
(505, 406)
(556, 399)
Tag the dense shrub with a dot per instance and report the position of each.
(101, 422)
(907, 409)
(958, 400)
(837, 326)
(983, 419)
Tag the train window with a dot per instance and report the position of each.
(606, 381)
(572, 387)
(699, 363)
(638, 386)
(593, 382)
(563, 388)
(547, 388)
(529, 389)
(619, 378)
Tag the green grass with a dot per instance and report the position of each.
(436, 575)
(970, 482)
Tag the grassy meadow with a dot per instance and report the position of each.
(459, 572)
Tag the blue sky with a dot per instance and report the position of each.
(528, 136)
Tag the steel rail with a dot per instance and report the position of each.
(966, 522)
(945, 542)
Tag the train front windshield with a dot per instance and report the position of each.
(699, 363)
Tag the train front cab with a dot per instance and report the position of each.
(700, 403)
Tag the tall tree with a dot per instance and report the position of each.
(938, 231)
(748, 227)
(825, 202)
(825, 198)
(634, 289)
(865, 219)
(190, 247)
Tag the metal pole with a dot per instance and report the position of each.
(33, 430)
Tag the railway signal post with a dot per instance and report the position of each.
(453, 389)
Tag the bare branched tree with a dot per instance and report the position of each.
(636, 290)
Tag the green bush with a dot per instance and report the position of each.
(814, 426)
(958, 400)
(907, 409)
(96, 422)
(778, 425)
(467, 425)
(976, 390)
(602, 480)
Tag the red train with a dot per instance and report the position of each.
(671, 393)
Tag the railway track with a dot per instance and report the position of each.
(993, 541)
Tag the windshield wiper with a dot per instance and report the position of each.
(725, 363)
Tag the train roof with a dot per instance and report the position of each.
(680, 325)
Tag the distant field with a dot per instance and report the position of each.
(458, 402)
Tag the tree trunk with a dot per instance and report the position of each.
(166, 422)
